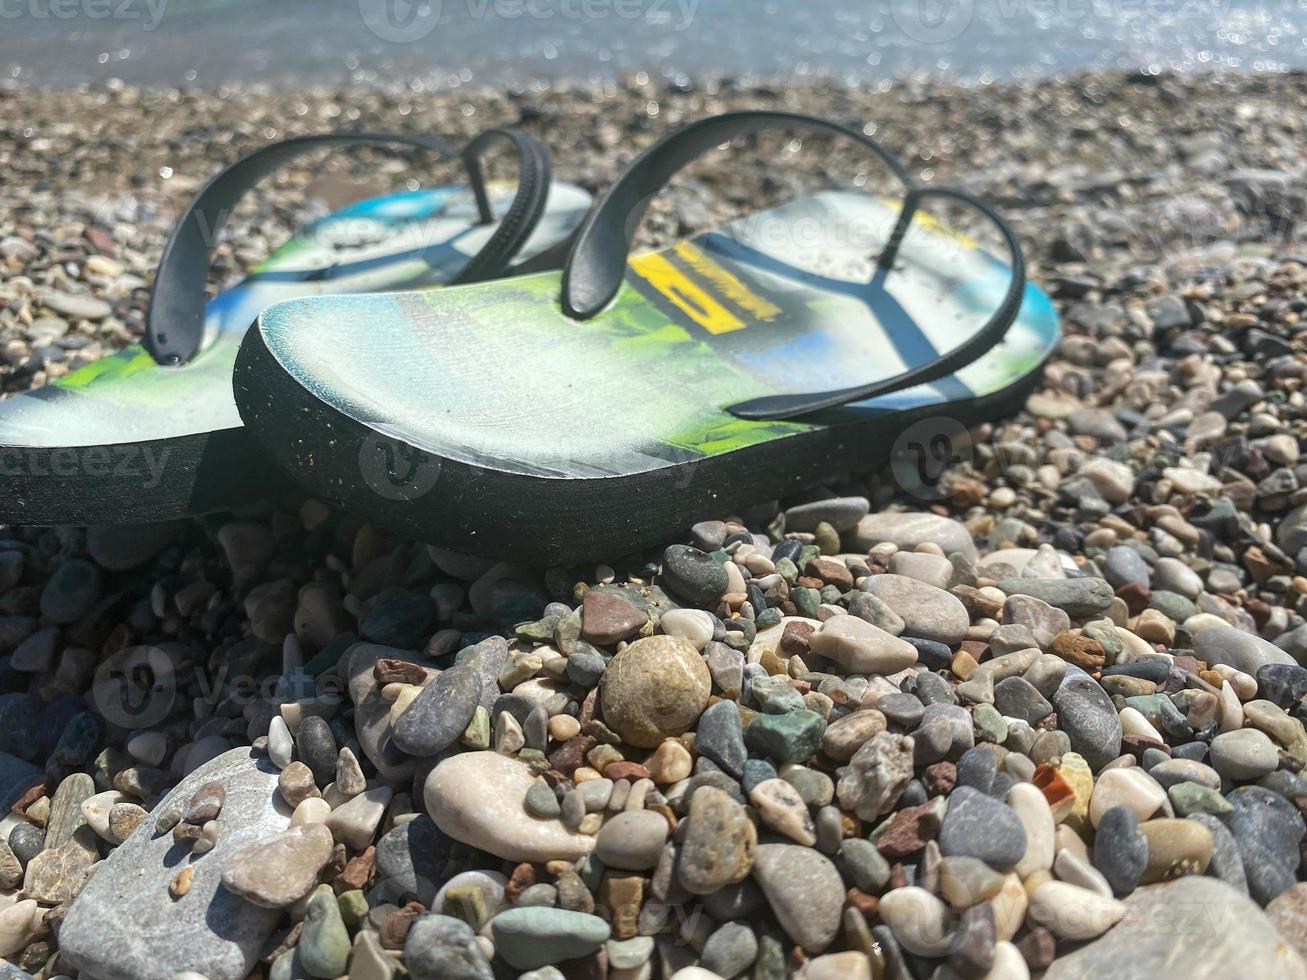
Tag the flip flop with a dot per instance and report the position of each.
(152, 432)
(553, 418)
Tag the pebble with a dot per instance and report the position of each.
(920, 921)
(719, 843)
(841, 513)
(1268, 830)
(1175, 848)
(280, 870)
(656, 687)
(324, 943)
(908, 530)
(719, 737)
(730, 950)
(1127, 786)
(441, 947)
(804, 891)
(977, 825)
(927, 612)
(528, 938)
(71, 591)
(1089, 718)
(1120, 850)
(436, 718)
(693, 575)
(632, 840)
(1244, 755)
(782, 809)
(858, 647)
(1073, 913)
(479, 798)
(1194, 926)
(106, 935)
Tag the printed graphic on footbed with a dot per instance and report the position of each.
(495, 375)
(397, 241)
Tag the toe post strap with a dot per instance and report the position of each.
(174, 321)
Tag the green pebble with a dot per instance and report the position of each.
(324, 942)
(830, 594)
(806, 601)
(826, 538)
(467, 902)
(1189, 798)
(768, 617)
(1172, 605)
(353, 907)
(528, 938)
(769, 964)
(989, 724)
(775, 695)
(790, 737)
(787, 570)
(477, 733)
(1106, 637)
(807, 554)
(1149, 705)
(540, 631)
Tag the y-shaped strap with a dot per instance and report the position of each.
(984, 339)
(174, 323)
(597, 264)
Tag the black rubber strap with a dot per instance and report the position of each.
(594, 270)
(791, 406)
(597, 264)
(174, 322)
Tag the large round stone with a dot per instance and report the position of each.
(654, 688)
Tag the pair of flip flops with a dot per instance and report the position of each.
(559, 414)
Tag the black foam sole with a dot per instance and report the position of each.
(495, 514)
(134, 483)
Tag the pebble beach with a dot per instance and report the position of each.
(1040, 715)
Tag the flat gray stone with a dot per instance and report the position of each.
(1242, 651)
(908, 530)
(125, 926)
(1194, 927)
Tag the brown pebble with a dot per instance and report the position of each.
(186, 833)
(622, 895)
(181, 883)
(388, 670)
(1083, 651)
(570, 756)
(205, 804)
(27, 798)
(939, 778)
(1037, 947)
(522, 878)
(395, 927)
(625, 770)
(868, 905)
(357, 873)
(908, 831)
(794, 639)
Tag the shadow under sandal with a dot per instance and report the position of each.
(551, 418)
(152, 432)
